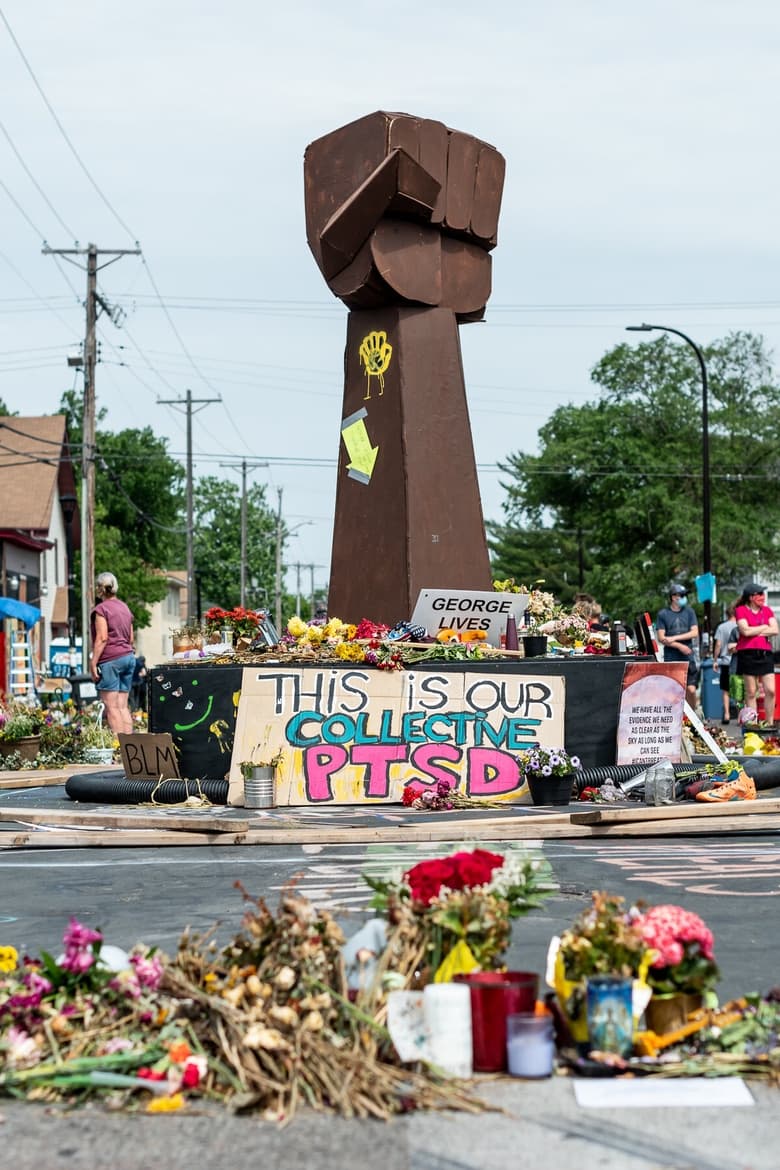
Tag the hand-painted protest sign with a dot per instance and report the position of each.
(354, 736)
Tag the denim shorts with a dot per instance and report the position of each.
(117, 673)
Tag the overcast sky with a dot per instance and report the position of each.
(642, 184)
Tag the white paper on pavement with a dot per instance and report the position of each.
(657, 1093)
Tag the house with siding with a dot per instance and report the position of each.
(39, 524)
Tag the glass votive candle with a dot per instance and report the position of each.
(530, 1045)
(610, 1021)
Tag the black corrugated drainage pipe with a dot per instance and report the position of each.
(109, 788)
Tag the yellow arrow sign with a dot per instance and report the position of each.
(362, 456)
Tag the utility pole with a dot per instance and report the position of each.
(298, 589)
(243, 467)
(189, 402)
(278, 579)
(87, 512)
(311, 600)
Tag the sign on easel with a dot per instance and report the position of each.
(651, 712)
(149, 757)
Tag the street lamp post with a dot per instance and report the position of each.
(705, 454)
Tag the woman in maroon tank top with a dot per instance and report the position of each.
(113, 656)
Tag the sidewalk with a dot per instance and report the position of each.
(541, 1128)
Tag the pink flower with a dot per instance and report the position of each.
(77, 961)
(127, 983)
(36, 983)
(148, 968)
(78, 935)
(22, 1048)
(668, 928)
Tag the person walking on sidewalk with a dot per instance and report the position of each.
(113, 656)
(678, 633)
(723, 649)
(756, 623)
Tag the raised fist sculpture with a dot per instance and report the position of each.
(401, 214)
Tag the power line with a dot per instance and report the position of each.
(24, 280)
(62, 129)
(36, 184)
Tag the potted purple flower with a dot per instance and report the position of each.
(549, 773)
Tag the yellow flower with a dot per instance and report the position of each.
(8, 958)
(296, 626)
(335, 628)
(350, 652)
(166, 1104)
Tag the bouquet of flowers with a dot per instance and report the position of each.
(454, 914)
(683, 960)
(92, 1020)
(571, 628)
(542, 608)
(605, 939)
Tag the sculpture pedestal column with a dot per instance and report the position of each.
(408, 509)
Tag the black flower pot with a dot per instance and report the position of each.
(535, 645)
(551, 789)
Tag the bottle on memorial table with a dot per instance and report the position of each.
(618, 642)
(510, 637)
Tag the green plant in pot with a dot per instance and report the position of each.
(187, 637)
(20, 729)
(97, 741)
(268, 761)
(19, 722)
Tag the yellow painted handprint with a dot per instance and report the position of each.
(375, 353)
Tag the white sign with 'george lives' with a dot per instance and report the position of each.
(463, 610)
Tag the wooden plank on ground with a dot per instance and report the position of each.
(644, 812)
(195, 821)
(769, 822)
(364, 835)
(525, 829)
(49, 777)
(25, 780)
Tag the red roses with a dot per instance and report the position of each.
(460, 871)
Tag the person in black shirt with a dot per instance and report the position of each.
(678, 633)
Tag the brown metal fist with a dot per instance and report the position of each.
(402, 211)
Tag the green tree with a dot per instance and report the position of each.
(217, 544)
(625, 472)
(138, 508)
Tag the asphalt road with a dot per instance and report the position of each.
(151, 895)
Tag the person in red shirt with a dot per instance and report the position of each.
(756, 623)
(113, 655)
